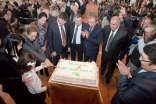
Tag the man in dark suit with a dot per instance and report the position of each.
(139, 87)
(92, 37)
(114, 40)
(76, 41)
(45, 8)
(58, 38)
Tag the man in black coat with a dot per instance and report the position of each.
(58, 38)
(114, 40)
(76, 41)
(139, 87)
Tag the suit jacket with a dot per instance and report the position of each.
(33, 14)
(92, 42)
(45, 30)
(54, 38)
(119, 42)
(34, 47)
(51, 19)
(72, 27)
(140, 89)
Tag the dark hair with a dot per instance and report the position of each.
(22, 62)
(10, 44)
(15, 3)
(42, 14)
(2, 15)
(150, 51)
(78, 15)
(31, 28)
(63, 15)
(7, 2)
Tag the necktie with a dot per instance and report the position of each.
(63, 37)
(75, 35)
(109, 41)
(90, 29)
(41, 36)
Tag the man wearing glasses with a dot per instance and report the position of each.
(139, 87)
(148, 37)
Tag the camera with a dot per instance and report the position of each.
(136, 18)
(140, 33)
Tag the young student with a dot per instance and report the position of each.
(26, 66)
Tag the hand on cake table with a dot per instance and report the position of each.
(48, 63)
(53, 54)
(68, 49)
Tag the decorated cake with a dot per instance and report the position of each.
(82, 73)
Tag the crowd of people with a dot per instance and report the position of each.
(53, 29)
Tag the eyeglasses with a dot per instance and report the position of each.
(144, 61)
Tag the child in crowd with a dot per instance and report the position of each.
(26, 66)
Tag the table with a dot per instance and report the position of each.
(6, 97)
(64, 93)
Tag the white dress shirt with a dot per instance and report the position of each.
(36, 85)
(61, 31)
(110, 35)
(78, 37)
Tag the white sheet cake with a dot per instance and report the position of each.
(82, 73)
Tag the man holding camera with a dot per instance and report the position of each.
(147, 37)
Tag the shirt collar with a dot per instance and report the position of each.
(116, 29)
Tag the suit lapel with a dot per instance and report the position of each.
(117, 35)
(73, 27)
(57, 28)
(107, 34)
(94, 29)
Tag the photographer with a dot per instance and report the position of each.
(147, 37)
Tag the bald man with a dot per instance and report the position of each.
(114, 40)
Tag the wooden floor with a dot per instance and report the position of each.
(107, 90)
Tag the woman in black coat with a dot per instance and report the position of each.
(10, 80)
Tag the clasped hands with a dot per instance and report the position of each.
(85, 33)
(123, 69)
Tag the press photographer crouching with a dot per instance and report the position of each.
(144, 37)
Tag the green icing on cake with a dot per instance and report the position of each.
(76, 74)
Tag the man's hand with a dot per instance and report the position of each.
(68, 49)
(53, 54)
(123, 10)
(83, 33)
(124, 69)
(87, 33)
(140, 37)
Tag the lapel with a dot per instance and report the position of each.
(117, 36)
(73, 27)
(107, 34)
(94, 29)
(57, 28)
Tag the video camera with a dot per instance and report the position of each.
(139, 32)
(136, 18)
